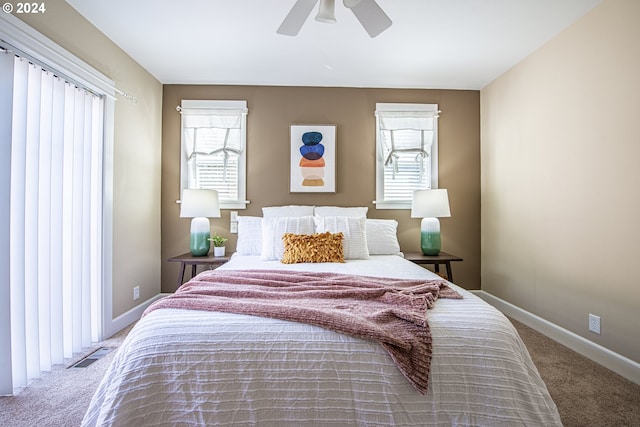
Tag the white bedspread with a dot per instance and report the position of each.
(181, 367)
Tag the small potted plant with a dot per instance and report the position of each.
(218, 245)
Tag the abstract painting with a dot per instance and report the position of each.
(313, 159)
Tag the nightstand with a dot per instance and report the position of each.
(435, 260)
(194, 261)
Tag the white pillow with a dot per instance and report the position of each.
(289, 211)
(274, 228)
(249, 235)
(353, 230)
(382, 236)
(340, 211)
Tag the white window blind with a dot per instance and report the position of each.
(56, 119)
(213, 149)
(406, 152)
(55, 217)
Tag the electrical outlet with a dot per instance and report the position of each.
(234, 216)
(136, 292)
(594, 323)
(233, 228)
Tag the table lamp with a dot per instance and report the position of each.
(200, 205)
(429, 205)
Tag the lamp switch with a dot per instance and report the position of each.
(234, 216)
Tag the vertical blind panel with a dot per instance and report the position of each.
(76, 226)
(95, 232)
(56, 203)
(67, 222)
(44, 220)
(85, 265)
(31, 221)
(6, 108)
(55, 255)
(17, 224)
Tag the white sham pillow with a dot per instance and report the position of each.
(249, 235)
(274, 228)
(382, 237)
(340, 211)
(288, 211)
(353, 230)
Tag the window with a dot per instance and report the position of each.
(213, 149)
(406, 152)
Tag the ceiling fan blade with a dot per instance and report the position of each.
(296, 17)
(371, 16)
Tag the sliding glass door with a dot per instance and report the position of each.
(52, 191)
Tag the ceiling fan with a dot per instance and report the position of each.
(368, 12)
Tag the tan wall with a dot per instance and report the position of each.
(560, 175)
(136, 183)
(273, 109)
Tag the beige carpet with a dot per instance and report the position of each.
(60, 397)
(586, 394)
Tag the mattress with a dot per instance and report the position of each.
(185, 367)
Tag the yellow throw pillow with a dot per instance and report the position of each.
(319, 247)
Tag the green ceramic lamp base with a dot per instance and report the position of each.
(200, 234)
(430, 241)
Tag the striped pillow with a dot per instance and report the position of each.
(353, 229)
(274, 228)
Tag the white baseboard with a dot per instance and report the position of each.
(133, 315)
(619, 364)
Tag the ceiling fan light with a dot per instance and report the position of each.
(351, 3)
(327, 12)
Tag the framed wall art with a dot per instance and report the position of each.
(313, 159)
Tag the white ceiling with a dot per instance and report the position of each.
(446, 44)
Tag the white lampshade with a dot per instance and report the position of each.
(199, 203)
(430, 204)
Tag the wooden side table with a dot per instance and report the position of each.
(194, 261)
(435, 260)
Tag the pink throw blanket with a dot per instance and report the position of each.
(392, 312)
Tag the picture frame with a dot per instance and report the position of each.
(312, 159)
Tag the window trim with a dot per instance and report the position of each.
(241, 202)
(379, 202)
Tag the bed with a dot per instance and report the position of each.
(200, 367)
